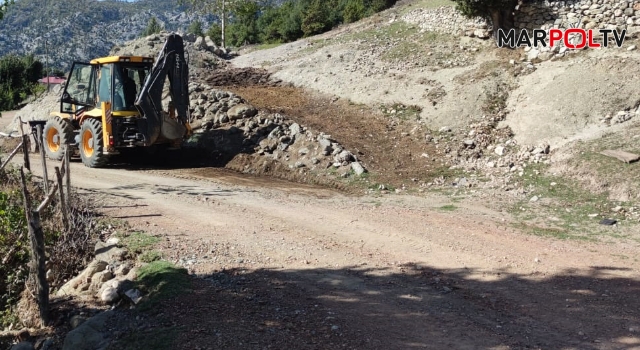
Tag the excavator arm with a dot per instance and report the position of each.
(170, 64)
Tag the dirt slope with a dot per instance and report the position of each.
(387, 60)
(564, 98)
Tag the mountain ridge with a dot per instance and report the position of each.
(60, 32)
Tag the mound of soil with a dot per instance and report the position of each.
(241, 77)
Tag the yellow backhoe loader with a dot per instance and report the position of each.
(115, 103)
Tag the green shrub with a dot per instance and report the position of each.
(353, 11)
(195, 28)
(13, 246)
(215, 32)
(153, 27)
(18, 78)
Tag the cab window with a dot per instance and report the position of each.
(129, 80)
(104, 90)
(80, 88)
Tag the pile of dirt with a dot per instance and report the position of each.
(398, 147)
(238, 136)
(39, 109)
(391, 147)
(199, 56)
(241, 77)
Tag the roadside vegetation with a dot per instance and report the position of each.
(559, 207)
(67, 251)
(18, 79)
(158, 278)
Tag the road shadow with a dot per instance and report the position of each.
(205, 149)
(406, 307)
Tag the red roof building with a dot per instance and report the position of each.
(53, 80)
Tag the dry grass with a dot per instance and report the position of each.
(605, 175)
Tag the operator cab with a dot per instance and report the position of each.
(116, 79)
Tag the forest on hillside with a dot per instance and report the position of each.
(255, 21)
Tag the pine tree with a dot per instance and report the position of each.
(315, 19)
(153, 27)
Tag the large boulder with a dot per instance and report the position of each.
(199, 43)
(109, 252)
(344, 156)
(81, 283)
(358, 168)
(90, 335)
(241, 111)
(211, 46)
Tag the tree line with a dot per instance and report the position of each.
(271, 21)
(243, 22)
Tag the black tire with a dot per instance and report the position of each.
(56, 133)
(91, 146)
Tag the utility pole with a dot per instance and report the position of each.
(46, 63)
(43, 32)
(223, 25)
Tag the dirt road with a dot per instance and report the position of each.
(286, 265)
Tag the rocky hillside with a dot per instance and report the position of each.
(83, 29)
(453, 109)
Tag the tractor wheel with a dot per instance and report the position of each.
(56, 133)
(91, 146)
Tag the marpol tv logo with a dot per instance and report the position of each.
(572, 38)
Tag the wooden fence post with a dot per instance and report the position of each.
(25, 150)
(45, 173)
(67, 172)
(39, 261)
(36, 233)
(63, 206)
(25, 145)
(36, 238)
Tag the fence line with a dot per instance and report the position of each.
(35, 230)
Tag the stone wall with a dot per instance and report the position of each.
(447, 20)
(590, 14)
(596, 14)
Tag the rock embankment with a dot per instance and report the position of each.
(226, 123)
